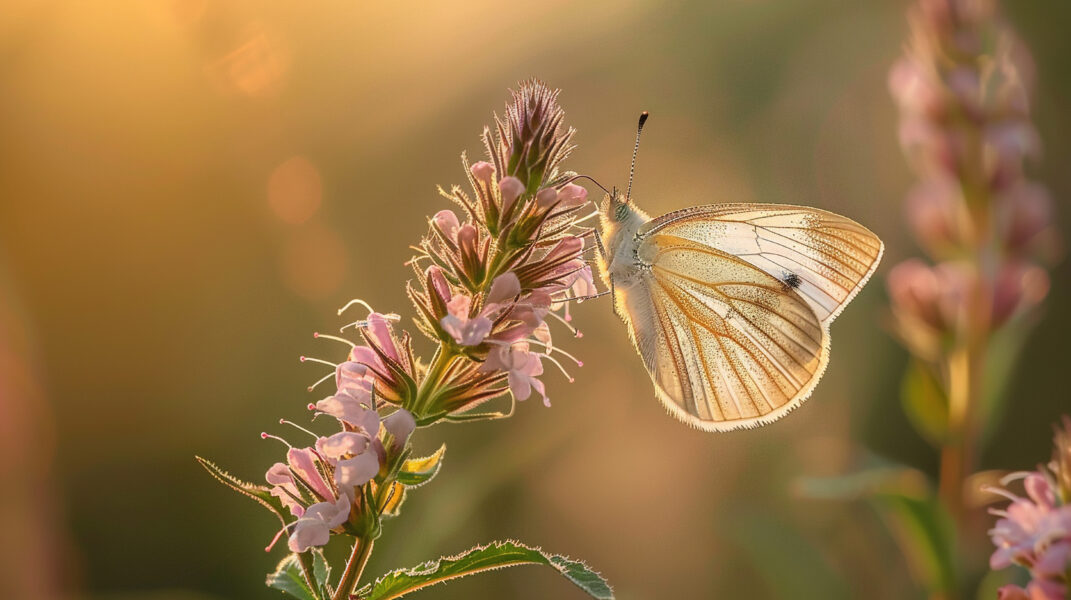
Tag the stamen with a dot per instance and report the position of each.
(320, 380)
(550, 348)
(318, 360)
(362, 324)
(1000, 492)
(582, 219)
(560, 367)
(319, 335)
(356, 301)
(298, 427)
(278, 535)
(565, 321)
(264, 435)
(1016, 476)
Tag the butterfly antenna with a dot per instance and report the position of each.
(590, 178)
(635, 150)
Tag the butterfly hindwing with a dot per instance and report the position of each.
(725, 344)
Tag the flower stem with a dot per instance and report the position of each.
(443, 358)
(354, 567)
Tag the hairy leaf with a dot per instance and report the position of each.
(496, 555)
(259, 493)
(418, 471)
(287, 578)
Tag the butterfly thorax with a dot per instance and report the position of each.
(620, 224)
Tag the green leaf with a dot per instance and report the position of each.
(907, 505)
(496, 555)
(925, 533)
(773, 545)
(321, 570)
(418, 471)
(287, 578)
(925, 402)
(259, 493)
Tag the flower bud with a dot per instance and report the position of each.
(546, 197)
(1022, 212)
(511, 189)
(571, 195)
(446, 223)
(913, 290)
(938, 215)
(483, 172)
(913, 89)
(1019, 287)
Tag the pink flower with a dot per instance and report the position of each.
(1034, 532)
(349, 453)
(522, 367)
(465, 331)
(314, 527)
(379, 331)
(472, 332)
(400, 424)
(283, 488)
(352, 409)
(302, 463)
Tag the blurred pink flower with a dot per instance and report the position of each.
(1034, 532)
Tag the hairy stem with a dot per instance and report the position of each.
(354, 567)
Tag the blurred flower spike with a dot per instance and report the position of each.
(1034, 531)
(963, 88)
(489, 283)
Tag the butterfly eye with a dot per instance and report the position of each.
(621, 212)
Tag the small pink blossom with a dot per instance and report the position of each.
(348, 452)
(302, 463)
(400, 424)
(522, 367)
(284, 489)
(465, 331)
(1034, 532)
(352, 409)
(473, 331)
(379, 330)
(314, 527)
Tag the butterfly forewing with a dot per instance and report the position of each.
(827, 257)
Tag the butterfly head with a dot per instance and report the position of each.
(615, 207)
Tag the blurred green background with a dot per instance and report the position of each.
(189, 189)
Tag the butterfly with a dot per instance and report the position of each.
(729, 305)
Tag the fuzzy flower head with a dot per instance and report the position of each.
(1034, 531)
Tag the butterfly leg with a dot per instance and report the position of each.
(602, 253)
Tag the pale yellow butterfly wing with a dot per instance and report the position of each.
(832, 256)
(728, 343)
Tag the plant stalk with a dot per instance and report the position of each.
(362, 550)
